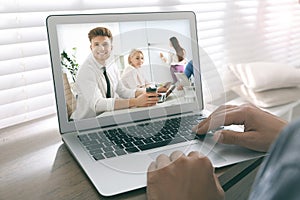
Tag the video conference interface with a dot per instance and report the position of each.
(152, 38)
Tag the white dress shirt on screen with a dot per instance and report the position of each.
(133, 77)
(90, 88)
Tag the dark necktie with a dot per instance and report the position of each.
(108, 95)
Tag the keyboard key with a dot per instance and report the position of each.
(83, 138)
(94, 147)
(109, 154)
(90, 142)
(190, 137)
(148, 141)
(132, 149)
(128, 144)
(107, 149)
(166, 137)
(154, 145)
(98, 156)
(96, 151)
(138, 142)
(177, 140)
(120, 152)
(94, 136)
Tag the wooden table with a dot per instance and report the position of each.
(35, 164)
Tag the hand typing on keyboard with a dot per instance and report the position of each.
(260, 128)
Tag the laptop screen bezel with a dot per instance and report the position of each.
(65, 124)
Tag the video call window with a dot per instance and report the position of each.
(151, 37)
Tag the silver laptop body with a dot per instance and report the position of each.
(122, 167)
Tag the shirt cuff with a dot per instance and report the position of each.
(105, 105)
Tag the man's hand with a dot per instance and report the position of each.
(182, 177)
(260, 128)
(146, 99)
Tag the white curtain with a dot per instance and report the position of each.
(228, 30)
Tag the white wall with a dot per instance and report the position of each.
(151, 37)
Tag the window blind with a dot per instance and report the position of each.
(229, 31)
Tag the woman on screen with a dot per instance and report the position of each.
(132, 76)
(177, 60)
(177, 57)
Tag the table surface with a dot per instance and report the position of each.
(35, 164)
(175, 98)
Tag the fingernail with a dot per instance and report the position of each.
(218, 136)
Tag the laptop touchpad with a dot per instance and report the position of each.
(133, 163)
(215, 158)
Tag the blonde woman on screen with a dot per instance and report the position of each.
(132, 76)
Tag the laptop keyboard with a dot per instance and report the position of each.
(126, 140)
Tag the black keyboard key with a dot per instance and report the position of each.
(138, 142)
(132, 149)
(94, 147)
(107, 144)
(157, 139)
(107, 149)
(177, 140)
(148, 141)
(120, 152)
(83, 138)
(200, 137)
(154, 145)
(166, 137)
(94, 136)
(117, 147)
(98, 156)
(96, 151)
(128, 144)
(118, 142)
(90, 142)
(109, 154)
(190, 137)
(129, 139)
(162, 143)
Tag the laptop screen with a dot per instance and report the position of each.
(151, 35)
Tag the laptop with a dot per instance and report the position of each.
(164, 95)
(116, 147)
(182, 79)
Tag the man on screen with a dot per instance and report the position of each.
(97, 83)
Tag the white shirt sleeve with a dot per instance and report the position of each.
(124, 92)
(90, 88)
(129, 78)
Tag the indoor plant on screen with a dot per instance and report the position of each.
(69, 62)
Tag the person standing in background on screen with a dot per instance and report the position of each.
(176, 60)
(97, 82)
(177, 57)
(132, 76)
(189, 72)
(189, 69)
